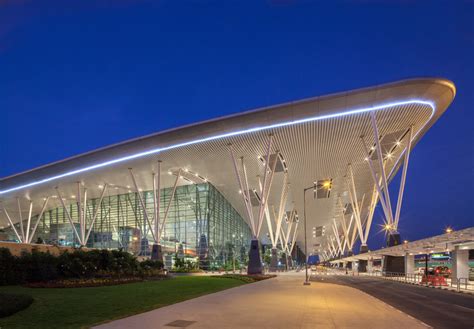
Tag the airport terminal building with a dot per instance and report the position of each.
(210, 189)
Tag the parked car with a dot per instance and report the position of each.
(442, 271)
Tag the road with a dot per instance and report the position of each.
(435, 307)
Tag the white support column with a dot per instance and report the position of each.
(289, 227)
(79, 212)
(22, 231)
(404, 177)
(370, 265)
(68, 215)
(293, 241)
(343, 223)
(355, 205)
(460, 264)
(157, 200)
(409, 263)
(334, 249)
(165, 216)
(84, 217)
(267, 217)
(282, 208)
(247, 193)
(373, 203)
(336, 234)
(38, 220)
(354, 233)
(267, 183)
(142, 203)
(381, 166)
(28, 223)
(96, 212)
(12, 226)
(243, 189)
(270, 226)
(387, 211)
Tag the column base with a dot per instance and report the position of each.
(363, 263)
(255, 262)
(157, 253)
(284, 261)
(393, 239)
(274, 261)
(290, 262)
(363, 249)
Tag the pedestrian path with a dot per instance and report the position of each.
(282, 302)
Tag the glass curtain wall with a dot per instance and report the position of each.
(201, 223)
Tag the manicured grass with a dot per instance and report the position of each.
(84, 307)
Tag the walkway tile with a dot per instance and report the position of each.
(282, 302)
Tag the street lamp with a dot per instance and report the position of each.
(314, 188)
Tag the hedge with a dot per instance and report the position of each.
(40, 266)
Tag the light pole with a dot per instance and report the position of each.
(306, 282)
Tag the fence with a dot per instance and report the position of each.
(461, 284)
(430, 280)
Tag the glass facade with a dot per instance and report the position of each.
(201, 223)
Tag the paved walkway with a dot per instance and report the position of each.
(282, 302)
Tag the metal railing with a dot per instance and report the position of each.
(430, 280)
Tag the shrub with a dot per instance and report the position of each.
(79, 264)
(12, 303)
(37, 266)
(8, 267)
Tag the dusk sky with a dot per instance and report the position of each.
(78, 75)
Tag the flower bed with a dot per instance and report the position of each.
(246, 278)
(96, 282)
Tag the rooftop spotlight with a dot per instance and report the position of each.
(449, 230)
(387, 227)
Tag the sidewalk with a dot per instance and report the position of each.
(282, 302)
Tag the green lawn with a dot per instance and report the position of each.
(84, 307)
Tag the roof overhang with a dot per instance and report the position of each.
(318, 138)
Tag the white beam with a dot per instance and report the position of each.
(12, 226)
(404, 177)
(28, 223)
(21, 220)
(267, 183)
(98, 206)
(381, 166)
(142, 203)
(385, 208)
(165, 216)
(243, 189)
(38, 220)
(68, 215)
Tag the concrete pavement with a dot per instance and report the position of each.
(282, 302)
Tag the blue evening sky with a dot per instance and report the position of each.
(78, 75)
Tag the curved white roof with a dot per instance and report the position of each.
(318, 138)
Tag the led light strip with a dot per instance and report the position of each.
(230, 134)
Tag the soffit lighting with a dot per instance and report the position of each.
(226, 135)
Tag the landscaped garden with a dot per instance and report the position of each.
(81, 289)
(84, 307)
